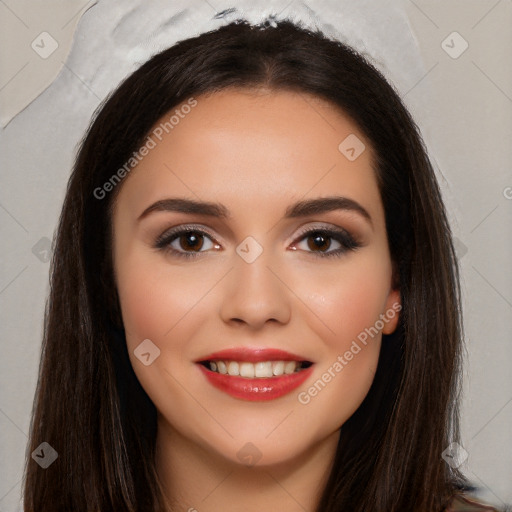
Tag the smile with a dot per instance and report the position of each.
(255, 374)
(260, 370)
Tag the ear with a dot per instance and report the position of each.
(392, 311)
(393, 304)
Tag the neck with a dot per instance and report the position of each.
(197, 479)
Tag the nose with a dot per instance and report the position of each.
(255, 293)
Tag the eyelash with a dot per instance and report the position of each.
(346, 240)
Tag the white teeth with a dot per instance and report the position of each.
(247, 370)
(263, 369)
(278, 368)
(233, 368)
(289, 367)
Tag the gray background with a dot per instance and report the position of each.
(462, 103)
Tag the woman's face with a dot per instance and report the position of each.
(269, 280)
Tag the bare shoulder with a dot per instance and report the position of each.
(469, 504)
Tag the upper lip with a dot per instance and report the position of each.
(252, 355)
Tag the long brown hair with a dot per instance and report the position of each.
(89, 405)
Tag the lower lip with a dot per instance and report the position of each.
(256, 390)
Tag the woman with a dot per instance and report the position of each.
(254, 297)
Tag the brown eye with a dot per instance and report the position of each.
(191, 241)
(186, 242)
(320, 242)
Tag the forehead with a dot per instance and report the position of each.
(254, 148)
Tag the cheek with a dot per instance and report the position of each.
(154, 298)
(350, 355)
(147, 310)
(157, 306)
(167, 305)
(350, 300)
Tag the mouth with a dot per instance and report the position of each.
(259, 370)
(255, 374)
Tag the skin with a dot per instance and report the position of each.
(256, 152)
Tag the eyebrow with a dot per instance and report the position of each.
(299, 209)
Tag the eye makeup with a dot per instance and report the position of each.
(194, 236)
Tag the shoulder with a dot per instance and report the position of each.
(461, 503)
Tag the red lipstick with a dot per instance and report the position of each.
(258, 388)
(253, 355)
